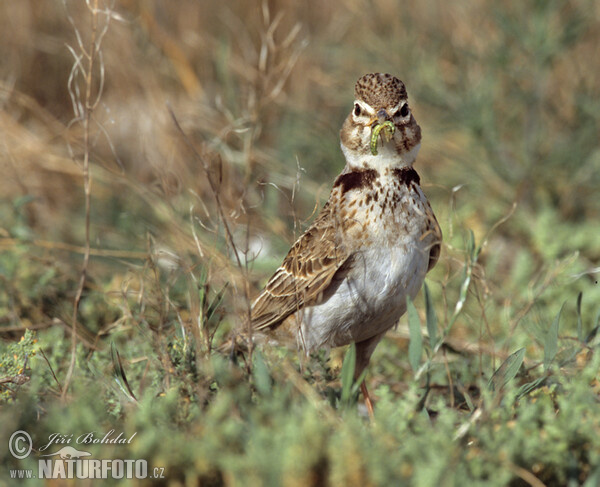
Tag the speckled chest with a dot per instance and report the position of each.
(381, 208)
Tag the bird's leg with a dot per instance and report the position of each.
(364, 350)
(368, 402)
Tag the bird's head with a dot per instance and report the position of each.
(380, 131)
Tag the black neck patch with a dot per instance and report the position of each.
(356, 179)
(407, 175)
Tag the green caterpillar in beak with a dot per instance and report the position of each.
(388, 131)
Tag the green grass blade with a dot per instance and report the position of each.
(469, 401)
(531, 386)
(431, 318)
(471, 244)
(507, 370)
(119, 373)
(415, 346)
(347, 374)
(593, 332)
(579, 320)
(357, 383)
(215, 303)
(260, 373)
(551, 341)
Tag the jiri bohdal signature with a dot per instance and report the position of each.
(90, 438)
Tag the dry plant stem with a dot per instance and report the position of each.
(7, 243)
(525, 475)
(87, 184)
(228, 234)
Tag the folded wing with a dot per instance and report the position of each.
(304, 275)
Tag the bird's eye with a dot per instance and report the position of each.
(356, 109)
(404, 110)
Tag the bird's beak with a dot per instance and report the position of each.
(382, 116)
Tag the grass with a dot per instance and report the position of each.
(207, 138)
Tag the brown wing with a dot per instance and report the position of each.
(305, 273)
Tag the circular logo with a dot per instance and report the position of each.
(20, 444)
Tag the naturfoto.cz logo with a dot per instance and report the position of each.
(69, 462)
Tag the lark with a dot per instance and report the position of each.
(347, 278)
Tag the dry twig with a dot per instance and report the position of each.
(86, 61)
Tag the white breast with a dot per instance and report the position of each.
(386, 157)
(390, 266)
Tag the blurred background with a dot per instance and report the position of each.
(189, 218)
(507, 97)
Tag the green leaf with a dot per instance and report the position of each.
(507, 370)
(593, 332)
(216, 302)
(579, 321)
(260, 372)
(551, 341)
(471, 244)
(593, 479)
(119, 373)
(23, 200)
(357, 383)
(348, 374)
(415, 346)
(431, 318)
(531, 386)
(468, 400)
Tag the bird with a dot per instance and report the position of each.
(346, 279)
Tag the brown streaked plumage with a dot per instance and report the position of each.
(380, 89)
(305, 272)
(346, 279)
